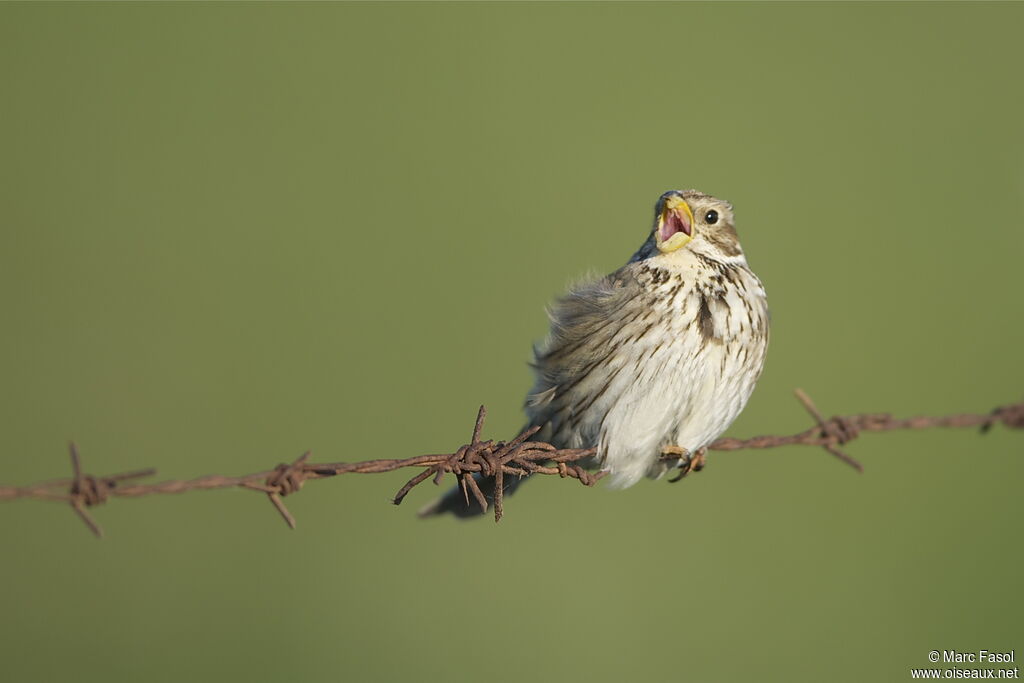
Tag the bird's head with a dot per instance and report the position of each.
(696, 221)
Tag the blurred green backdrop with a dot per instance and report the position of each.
(234, 232)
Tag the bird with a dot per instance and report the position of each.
(651, 363)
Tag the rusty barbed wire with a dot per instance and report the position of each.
(498, 459)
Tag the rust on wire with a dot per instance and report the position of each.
(497, 459)
(87, 490)
(839, 429)
(286, 478)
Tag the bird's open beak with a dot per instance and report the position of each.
(675, 225)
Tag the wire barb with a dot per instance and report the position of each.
(86, 490)
(838, 430)
(286, 478)
(479, 459)
(80, 498)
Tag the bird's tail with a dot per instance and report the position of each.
(454, 501)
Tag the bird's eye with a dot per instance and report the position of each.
(711, 217)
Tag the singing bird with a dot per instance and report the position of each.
(651, 363)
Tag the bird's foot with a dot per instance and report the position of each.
(687, 462)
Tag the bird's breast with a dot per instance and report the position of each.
(712, 306)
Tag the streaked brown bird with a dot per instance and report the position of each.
(656, 359)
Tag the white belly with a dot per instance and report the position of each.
(681, 397)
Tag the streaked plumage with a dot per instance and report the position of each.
(659, 356)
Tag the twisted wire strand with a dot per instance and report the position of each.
(517, 457)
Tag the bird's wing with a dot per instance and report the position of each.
(583, 325)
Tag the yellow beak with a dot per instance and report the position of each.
(675, 225)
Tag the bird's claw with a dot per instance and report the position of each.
(687, 462)
(698, 461)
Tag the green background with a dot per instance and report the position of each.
(234, 232)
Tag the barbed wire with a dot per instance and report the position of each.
(498, 459)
